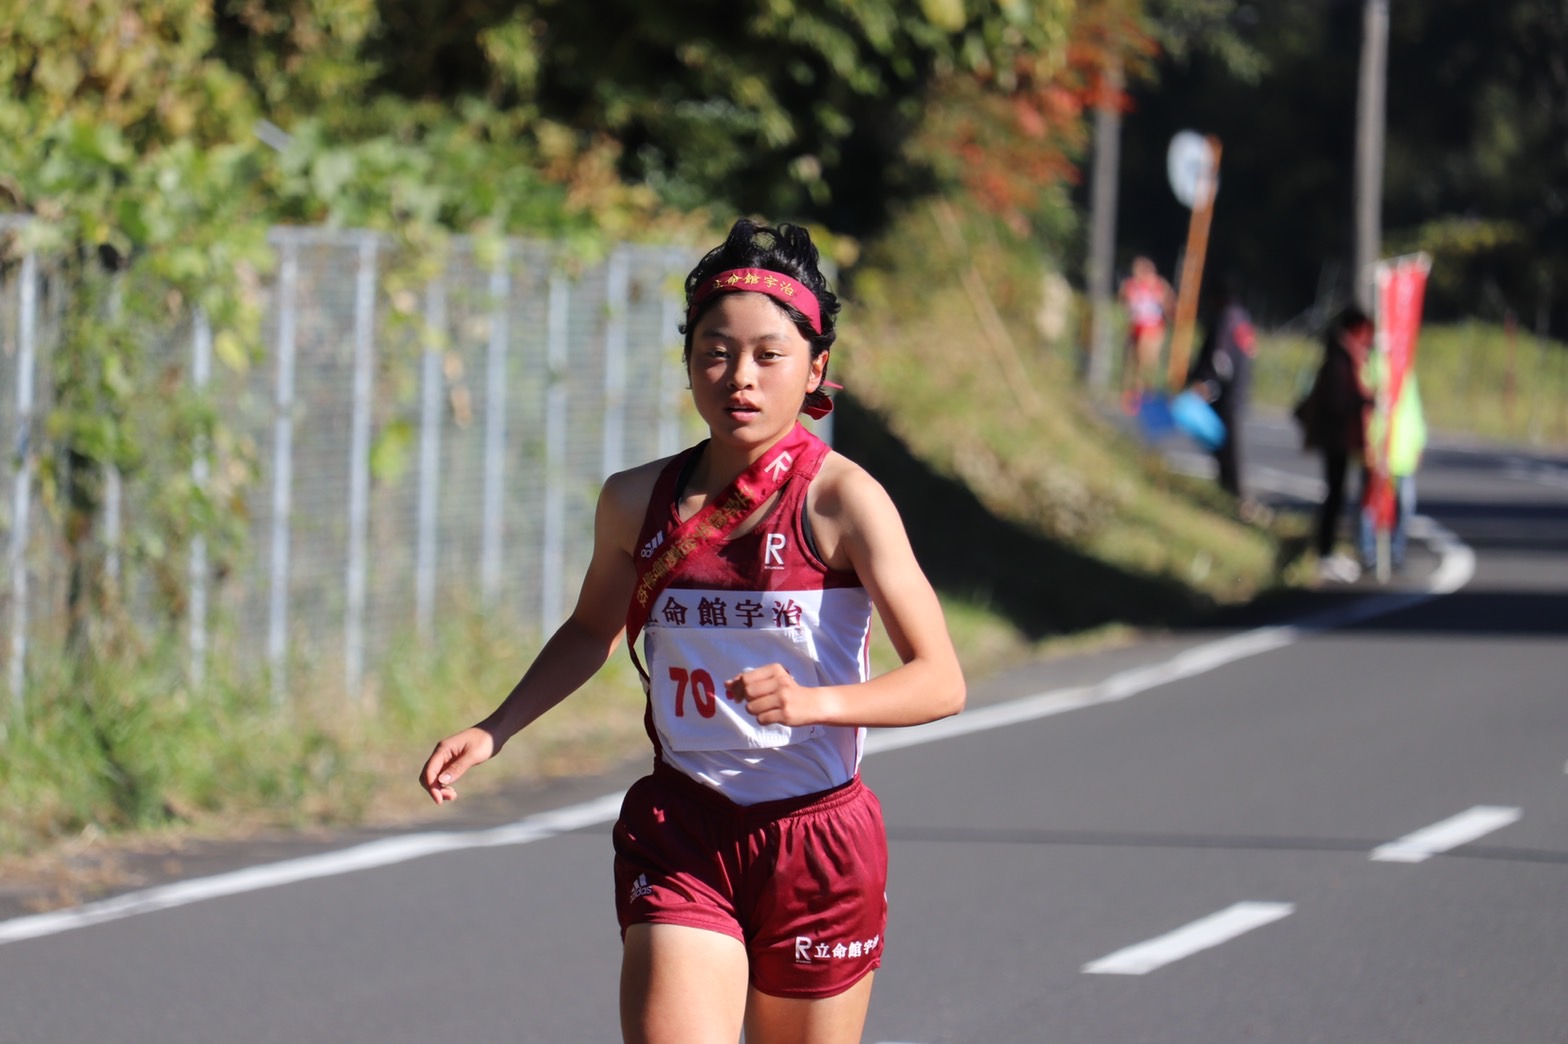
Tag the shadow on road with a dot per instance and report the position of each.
(1481, 613)
(1045, 588)
(1514, 526)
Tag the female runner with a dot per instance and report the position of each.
(751, 863)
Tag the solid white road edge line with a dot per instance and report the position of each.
(1201, 934)
(385, 852)
(1450, 833)
(1454, 571)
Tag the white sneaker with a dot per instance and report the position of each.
(1340, 569)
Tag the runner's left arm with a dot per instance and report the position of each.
(858, 527)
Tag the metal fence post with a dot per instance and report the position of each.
(495, 432)
(22, 483)
(669, 377)
(617, 297)
(359, 467)
(431, 382)
(282, 468)
(554, 537)
(113, 481)
(201, 375)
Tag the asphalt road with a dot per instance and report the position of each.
(1345, 824)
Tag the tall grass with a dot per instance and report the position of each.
(114, 744)
(124, 746)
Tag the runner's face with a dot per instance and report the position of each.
(750, 368)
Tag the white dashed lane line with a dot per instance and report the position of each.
(1201, 934)
(1450, 833)
(1243, 917)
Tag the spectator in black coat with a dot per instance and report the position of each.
(1333, 417)
(1222, 374)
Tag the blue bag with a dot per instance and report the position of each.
(1154, 417)
(1196, 418)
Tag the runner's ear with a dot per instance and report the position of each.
(819, 369)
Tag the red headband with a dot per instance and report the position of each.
(761, 281)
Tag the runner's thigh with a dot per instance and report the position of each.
(681, 985)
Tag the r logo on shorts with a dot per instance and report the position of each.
(808, 950)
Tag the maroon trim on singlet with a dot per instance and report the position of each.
(732, 564)
(787, 512)
(670, 479)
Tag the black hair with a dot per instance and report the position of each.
(1230, 285)
(1224, 288)
(787, 249)
(1347, 319)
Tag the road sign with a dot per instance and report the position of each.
(1192, 166)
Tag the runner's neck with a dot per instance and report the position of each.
(719, 464)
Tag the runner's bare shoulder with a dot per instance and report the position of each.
(844, 498)
(624, 500)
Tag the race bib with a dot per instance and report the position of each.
(687, 669)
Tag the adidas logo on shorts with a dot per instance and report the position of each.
(641, 887)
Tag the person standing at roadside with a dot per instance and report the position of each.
(751, 863)
(1334, 422)
(1222, 374)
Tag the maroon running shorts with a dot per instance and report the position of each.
(801, 882)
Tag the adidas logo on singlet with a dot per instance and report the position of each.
(653, 545)
(641, 887)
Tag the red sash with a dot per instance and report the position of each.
(701, 534)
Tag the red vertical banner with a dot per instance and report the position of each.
(1401, 291)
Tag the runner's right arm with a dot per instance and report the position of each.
(576, 651)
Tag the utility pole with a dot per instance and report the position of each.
(1369, 147)
(1102, 217)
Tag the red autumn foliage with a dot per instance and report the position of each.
(1018, 137)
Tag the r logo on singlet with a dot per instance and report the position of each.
(773, 551)
(803, 949)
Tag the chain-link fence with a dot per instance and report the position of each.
(407, 452)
